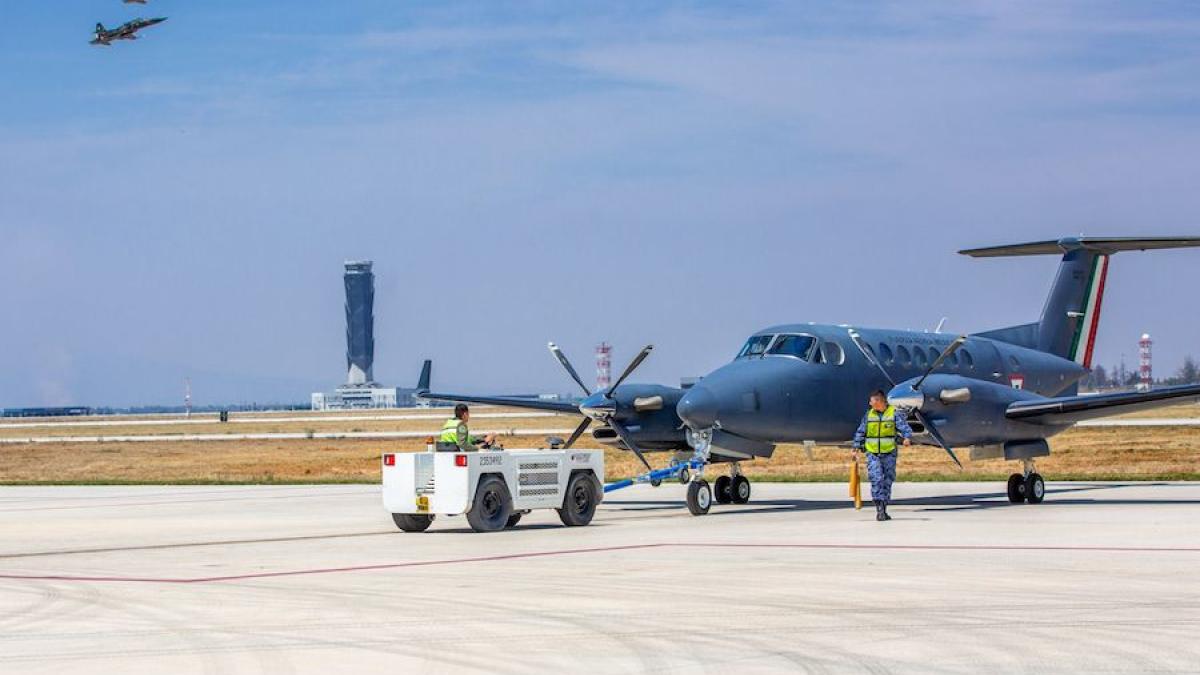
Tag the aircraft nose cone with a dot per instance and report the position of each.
(697, 408)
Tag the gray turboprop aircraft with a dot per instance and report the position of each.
(126, 31)
(1001, 393)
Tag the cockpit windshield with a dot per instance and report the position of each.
(755, 346)
(799, 346)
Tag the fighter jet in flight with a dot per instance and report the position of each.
(126, 31)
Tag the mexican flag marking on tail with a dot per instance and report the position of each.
(1084, 342)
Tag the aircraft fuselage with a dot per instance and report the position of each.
(821, 395)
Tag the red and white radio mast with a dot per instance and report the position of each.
(603, 366)
(1145, 369)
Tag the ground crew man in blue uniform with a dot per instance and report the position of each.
(455, 435)
(877, 436)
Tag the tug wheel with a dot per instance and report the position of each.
(699, 497)
(492, 507)
(579, 504)
(1035, 489)
(411, 522)
(685, 476)
(723, 490)
(1016, 488)
(740, 490)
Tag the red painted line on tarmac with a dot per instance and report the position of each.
(601, 549)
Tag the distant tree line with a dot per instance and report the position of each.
(1119, 376)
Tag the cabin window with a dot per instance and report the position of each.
(1016, 365)
(903, 356)
(885, 353)
(831, 352)
(967, 360)
(755, 346)
(919, 357)
(952, 360)
(933, 354)
(799, 346)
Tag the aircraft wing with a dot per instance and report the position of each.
(512, 401)
(1071, 409)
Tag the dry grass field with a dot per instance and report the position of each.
(1121, 453)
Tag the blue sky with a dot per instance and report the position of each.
(676, 173)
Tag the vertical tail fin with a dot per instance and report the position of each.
(1072, 311)
(426, 372)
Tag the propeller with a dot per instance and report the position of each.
(562, 358)
(604, 410)
(925, 421)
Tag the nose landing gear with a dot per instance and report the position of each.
(1027, 486)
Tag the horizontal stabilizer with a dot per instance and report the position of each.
(512, 401)
(1071, 409)
(1101, 245)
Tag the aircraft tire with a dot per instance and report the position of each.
(723, 490)
(1016, 488)
(740, 490)
(699, 497)
(1035, 489)
(412, 522)
(492, 506)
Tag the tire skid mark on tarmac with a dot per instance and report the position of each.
(599, 549)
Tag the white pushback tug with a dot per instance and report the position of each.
(494, 488)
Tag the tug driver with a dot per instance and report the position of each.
(455, 435)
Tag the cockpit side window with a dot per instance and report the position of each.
(755, 346)
(799, 346)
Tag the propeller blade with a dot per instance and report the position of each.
(637, 361)
(628, 440)
(578, 432)
(937, 436)
(950, 349)
(570, 369)
(866, 351)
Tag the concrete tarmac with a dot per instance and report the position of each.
(1102, 577)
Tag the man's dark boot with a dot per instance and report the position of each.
(883, 513)
(879, 514)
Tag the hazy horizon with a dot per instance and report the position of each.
(684, 174)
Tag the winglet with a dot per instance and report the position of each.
(426, 374)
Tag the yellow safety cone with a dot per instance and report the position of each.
(855, 485)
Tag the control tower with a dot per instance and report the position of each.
(360, 323)
(360, 389)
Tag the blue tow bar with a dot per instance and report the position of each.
(656, 475)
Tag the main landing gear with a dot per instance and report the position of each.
(1027, 486)
(734, 488)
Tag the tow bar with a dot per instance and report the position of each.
(657, 475)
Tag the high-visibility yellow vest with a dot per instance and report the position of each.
(450, 431)
(881, 431)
